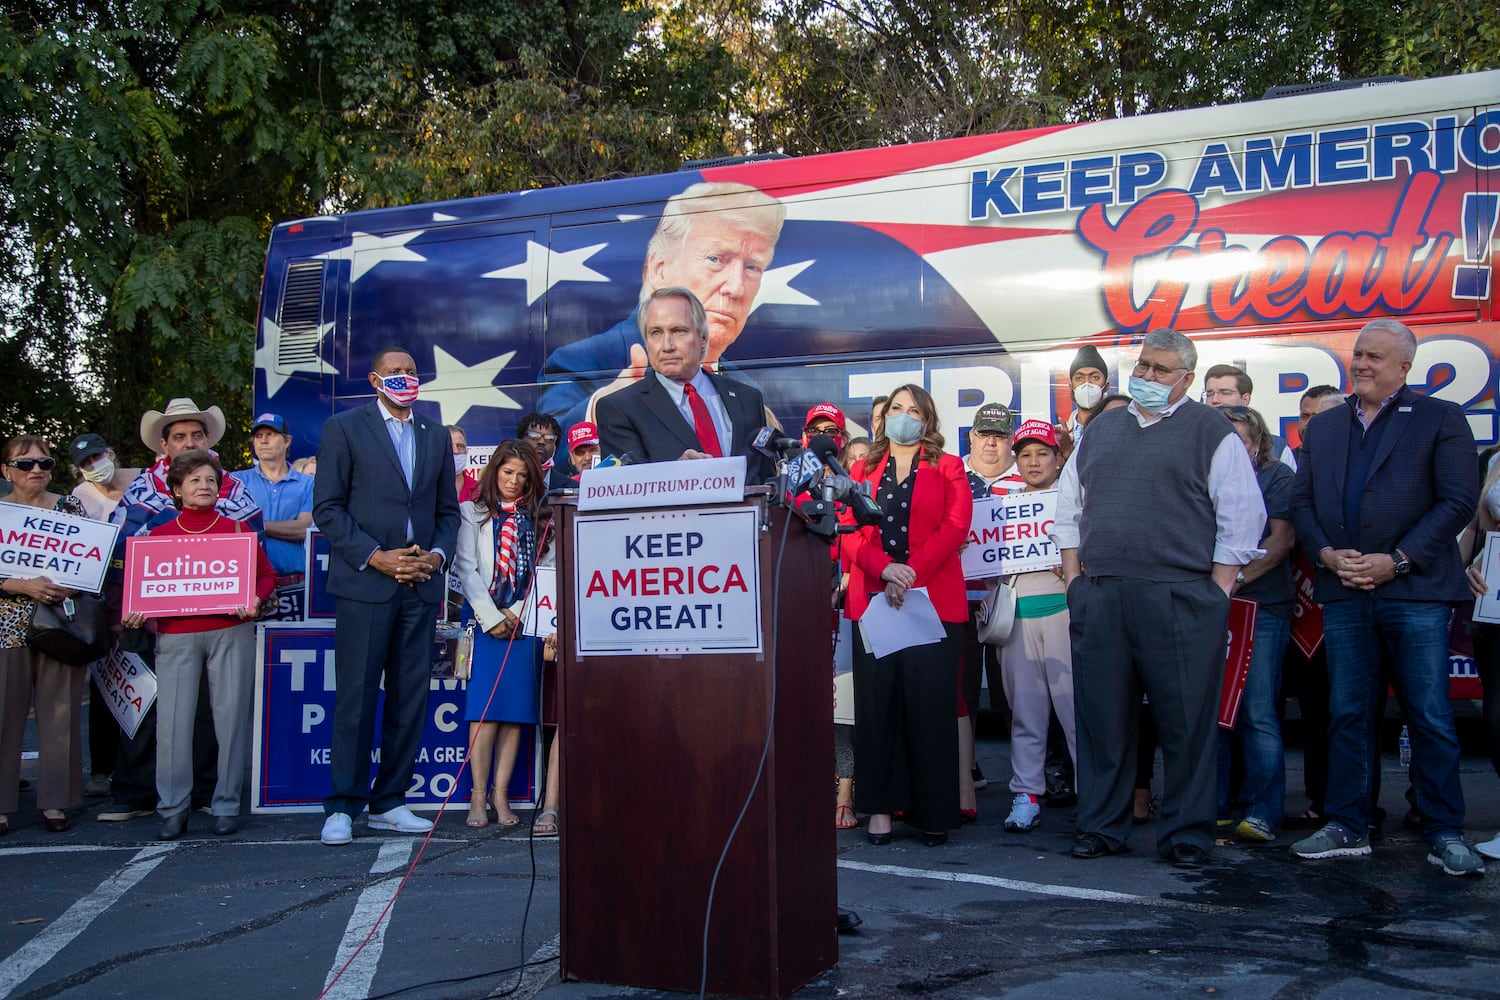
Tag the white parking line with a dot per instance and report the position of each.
(41, 949)
(356, 979)
(1037, 888)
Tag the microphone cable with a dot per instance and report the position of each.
(765, 751)
(442, 809)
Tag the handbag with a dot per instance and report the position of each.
(463, 654)
(996, 617)
(74, 631)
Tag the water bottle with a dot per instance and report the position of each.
(1405, 743)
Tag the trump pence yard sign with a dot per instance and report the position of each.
(668, 582)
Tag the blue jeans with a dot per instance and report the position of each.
(1258, 729)
(1417, 634)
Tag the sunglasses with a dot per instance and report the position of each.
(27, 464)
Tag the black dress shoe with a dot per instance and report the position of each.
(934, 839)
(1189, 857)
(57, 824)
(879, 839)
(848, 920)
(225, 825)
(1088, 846)
(173, 826)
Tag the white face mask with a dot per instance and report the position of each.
(460, 462)
(102, 471)
(1087, 395)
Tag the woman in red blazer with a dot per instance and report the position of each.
(905, 743)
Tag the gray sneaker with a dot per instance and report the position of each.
(1455, 858)
(1333, 841)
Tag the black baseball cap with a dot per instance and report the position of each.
(85, 447)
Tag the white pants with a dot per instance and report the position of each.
(1036, 668)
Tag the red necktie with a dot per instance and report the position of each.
(703, 424)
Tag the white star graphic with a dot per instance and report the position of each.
(545, 267)
(365, 251)
(776, 287)
(458, 388)
(309, 360)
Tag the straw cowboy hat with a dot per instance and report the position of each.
(155, 422)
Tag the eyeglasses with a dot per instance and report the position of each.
(541, 438)
(27, 464)
(1142, 369)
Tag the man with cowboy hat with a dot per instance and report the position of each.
(168, 433)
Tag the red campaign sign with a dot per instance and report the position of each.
(189, 575)
(1307, 617)
(1240, 644)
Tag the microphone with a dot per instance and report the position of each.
(615, 461)
(866, 510)
(772, 443)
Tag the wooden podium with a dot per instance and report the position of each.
(659, 754)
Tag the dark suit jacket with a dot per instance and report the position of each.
(361, 501)
(1422, 491)
(642, 420)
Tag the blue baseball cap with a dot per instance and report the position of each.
(275, 421)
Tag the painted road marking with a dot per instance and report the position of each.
(355, 981)
(41, 949)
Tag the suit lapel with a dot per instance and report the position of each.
(1397, 421)
(375, 415)
(734, 406)
(659, 401)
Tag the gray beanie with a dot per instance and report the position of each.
(1088, 356)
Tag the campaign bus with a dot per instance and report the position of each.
(1268, 231)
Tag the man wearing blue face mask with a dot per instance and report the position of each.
(385, 499)
(1157, 512)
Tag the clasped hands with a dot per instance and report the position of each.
(411, 565)
(1357, 570)
(897, 577)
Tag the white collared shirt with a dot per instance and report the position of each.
(710, 395)
(1239, 510)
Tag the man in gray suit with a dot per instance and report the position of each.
(384, 497)
(679, 410)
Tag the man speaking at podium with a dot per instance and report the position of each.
(680, 410)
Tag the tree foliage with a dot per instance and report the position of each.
(148, 146)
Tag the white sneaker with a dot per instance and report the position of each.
(1490, 848)
(338, 830)
(1025, 814)
(399, 820)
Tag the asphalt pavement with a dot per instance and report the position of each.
(105, 910)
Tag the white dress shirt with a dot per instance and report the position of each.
(1239, 509)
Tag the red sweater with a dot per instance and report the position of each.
(194, 522)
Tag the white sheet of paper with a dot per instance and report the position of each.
(888, 630)
(1487, 608)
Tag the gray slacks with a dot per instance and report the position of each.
(1166, 639)
(228, 654)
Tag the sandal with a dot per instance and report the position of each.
(543, 827)
(844, 818)
(477, 817)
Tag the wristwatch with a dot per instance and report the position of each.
(1402, 564)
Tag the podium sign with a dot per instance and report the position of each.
(668, 582)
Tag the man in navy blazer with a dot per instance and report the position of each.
(1385, 485)
(384, 497)
(653, 420)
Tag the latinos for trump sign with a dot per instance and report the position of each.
(1012, 534)
(70, 551)
(674, 581)
(189, 575)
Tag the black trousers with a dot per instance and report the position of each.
(389, 641)
(1487, 659)
(906, 732)
(1166, 640)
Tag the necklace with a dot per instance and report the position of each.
(203, 529)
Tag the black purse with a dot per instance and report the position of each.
(74, 631)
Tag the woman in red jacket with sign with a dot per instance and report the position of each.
(224, 644)
(905, 743)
